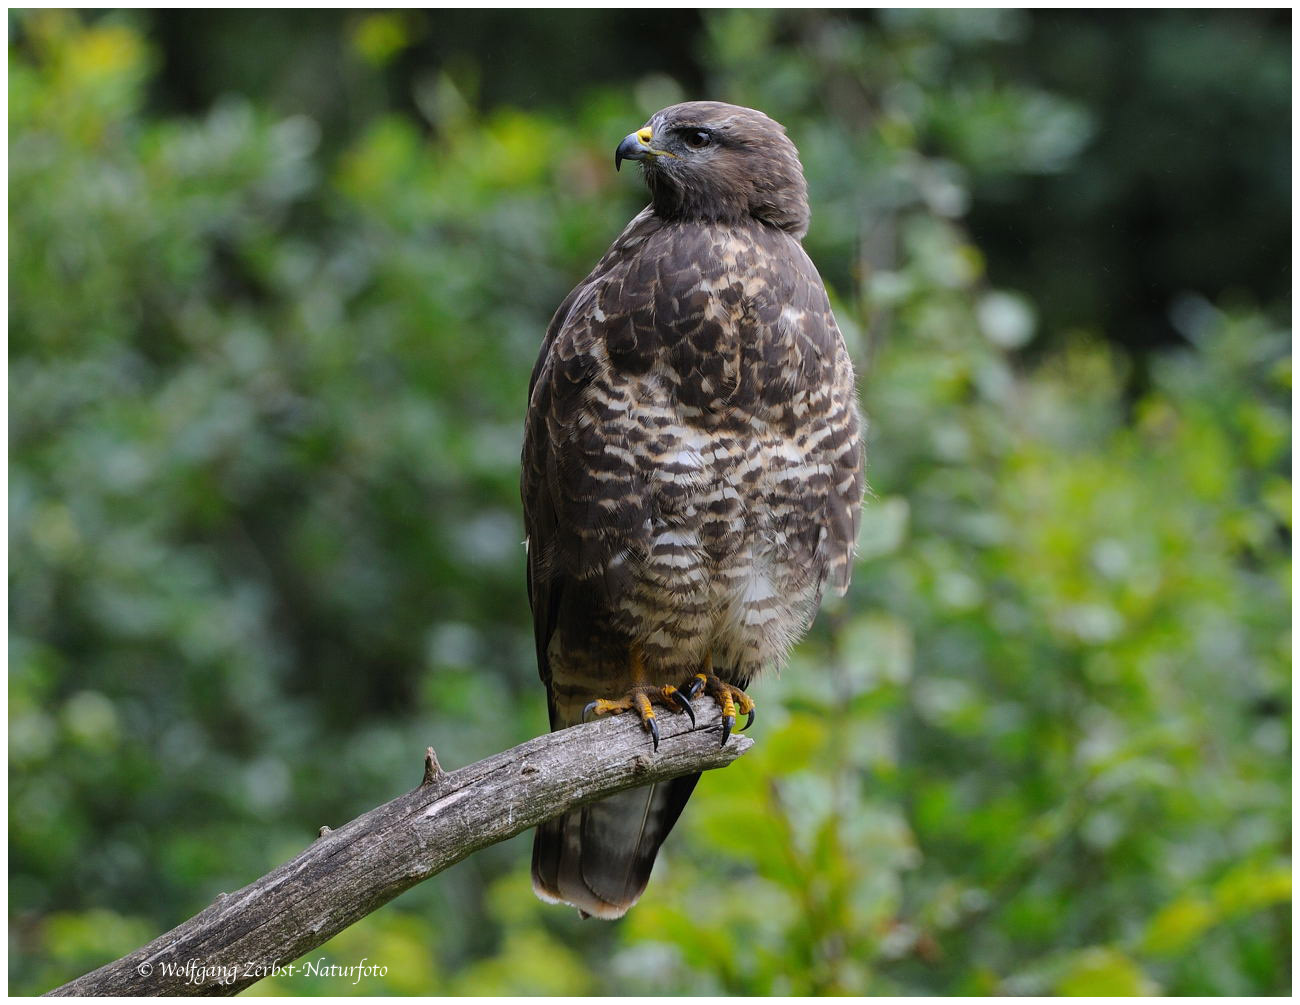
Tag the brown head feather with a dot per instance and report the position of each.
(746, 167)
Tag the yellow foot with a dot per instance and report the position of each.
(726, 695)
(643, 698)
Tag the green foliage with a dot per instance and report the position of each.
(265, 412)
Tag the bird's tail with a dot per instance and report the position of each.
(598, 858)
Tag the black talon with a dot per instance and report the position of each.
(683, 705)
(727, 722)
(748, 722)
(695, 686)
(587, 711)
(654, 732)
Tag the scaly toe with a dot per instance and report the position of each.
(730, 699)
(683, 703)
(642, 699)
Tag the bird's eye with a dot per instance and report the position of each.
(697, 139)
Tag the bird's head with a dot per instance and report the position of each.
(705, 160)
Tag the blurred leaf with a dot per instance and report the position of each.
(1103, 973)
(1177, 925)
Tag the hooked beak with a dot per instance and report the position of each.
(636, 147)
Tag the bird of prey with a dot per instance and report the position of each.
(692, 469)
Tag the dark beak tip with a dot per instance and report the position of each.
(628, 150)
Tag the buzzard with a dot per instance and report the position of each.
(692, 469)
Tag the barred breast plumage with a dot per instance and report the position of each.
(692, 467)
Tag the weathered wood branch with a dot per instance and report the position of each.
(347, 873)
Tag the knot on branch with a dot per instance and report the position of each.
(432, 769)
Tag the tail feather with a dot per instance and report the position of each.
(598, 858)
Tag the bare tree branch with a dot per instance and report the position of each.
(349, 872)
